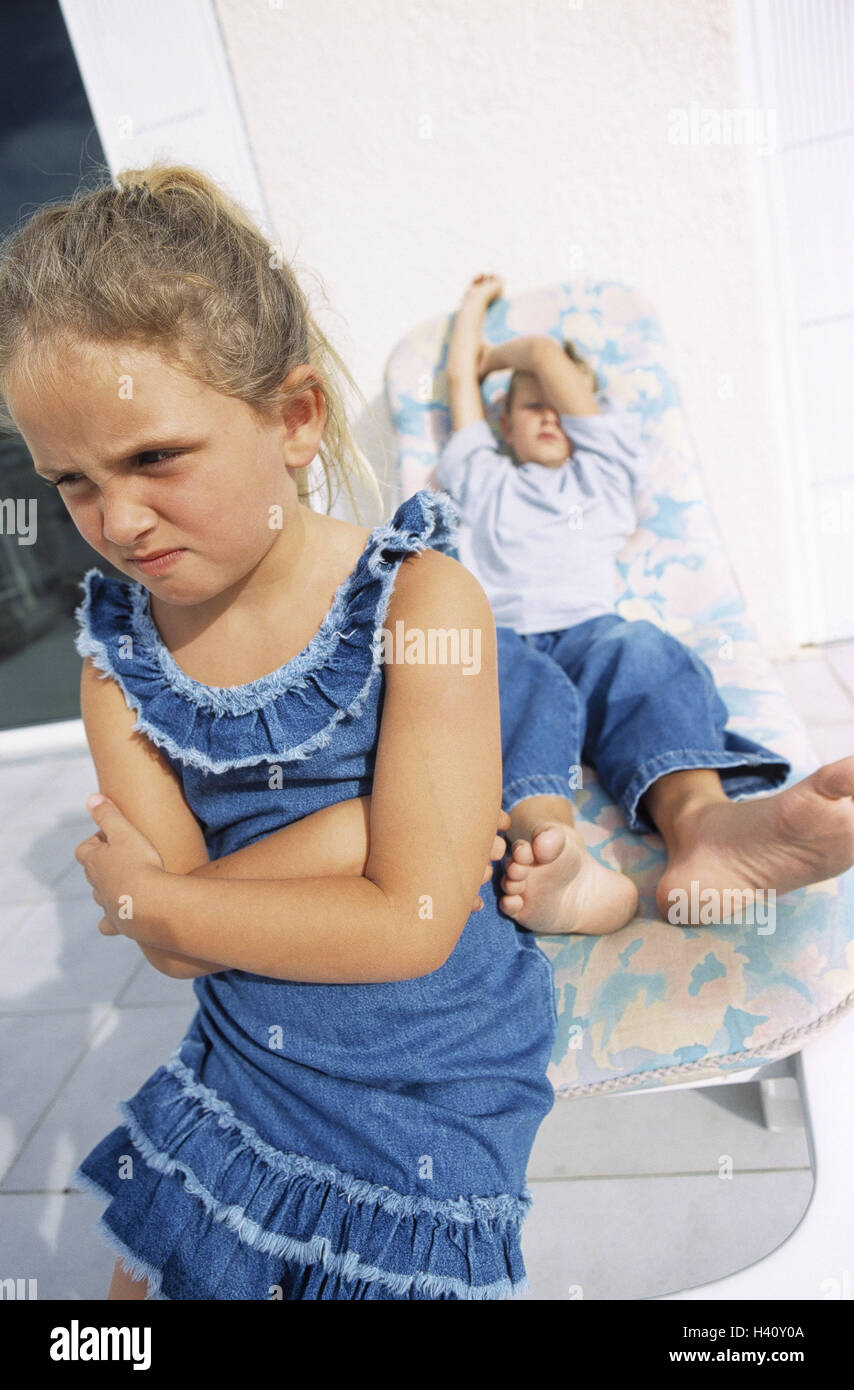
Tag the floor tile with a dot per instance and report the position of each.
(52, 1237)
(150, 986)
(815, 691)
(39, 1052)
(58, 959)
(19, 782)
(131, 1044)
(832, 741)
(35, 861)
(48, 789)
(841, 658)
(11, 917)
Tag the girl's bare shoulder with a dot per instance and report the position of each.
(435, 589)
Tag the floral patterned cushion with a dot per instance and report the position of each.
(654, 1003)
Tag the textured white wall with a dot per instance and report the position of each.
(405, 145)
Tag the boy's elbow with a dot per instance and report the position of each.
(544, 347)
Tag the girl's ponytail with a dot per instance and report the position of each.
(165, 258)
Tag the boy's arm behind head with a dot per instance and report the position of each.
(465, 401)
(567, 381)
(464, 395)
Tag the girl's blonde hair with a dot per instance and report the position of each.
(167, 260)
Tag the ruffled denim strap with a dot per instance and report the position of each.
(288, 714)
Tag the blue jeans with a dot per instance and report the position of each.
(628, 699)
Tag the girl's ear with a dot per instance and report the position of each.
(304, 417)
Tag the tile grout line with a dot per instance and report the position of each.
(840, 680)
(57, 1090)
(97, 1004)
(679, 1173)
(30, 905)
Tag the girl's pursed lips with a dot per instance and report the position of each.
(151, 554)
(157, 563)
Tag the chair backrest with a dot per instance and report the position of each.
(656, 1003)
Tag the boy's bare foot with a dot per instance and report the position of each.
(552, 883)
(802, 835)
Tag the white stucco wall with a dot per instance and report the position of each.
(405, 145)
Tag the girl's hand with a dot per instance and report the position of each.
(485, 288)
(499, 849)
(115, 861)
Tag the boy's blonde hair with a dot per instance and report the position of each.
(574, 356)
(167, 260)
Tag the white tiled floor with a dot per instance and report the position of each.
(628, 1203)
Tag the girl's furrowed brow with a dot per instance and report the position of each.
(145, 446)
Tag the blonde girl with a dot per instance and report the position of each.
(294, 823)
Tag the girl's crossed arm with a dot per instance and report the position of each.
(136, 776)
(434, 807)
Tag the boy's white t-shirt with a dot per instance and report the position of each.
(544, 541)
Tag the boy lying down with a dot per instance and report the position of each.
(541, 525)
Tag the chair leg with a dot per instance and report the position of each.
(782, 1111)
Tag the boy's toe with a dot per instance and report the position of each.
(516, 872)
(547, 843)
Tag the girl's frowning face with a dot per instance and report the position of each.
(148, 459)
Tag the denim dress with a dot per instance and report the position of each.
(304, 1140)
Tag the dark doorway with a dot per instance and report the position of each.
(48, 146)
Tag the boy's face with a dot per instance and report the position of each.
(533, 428)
